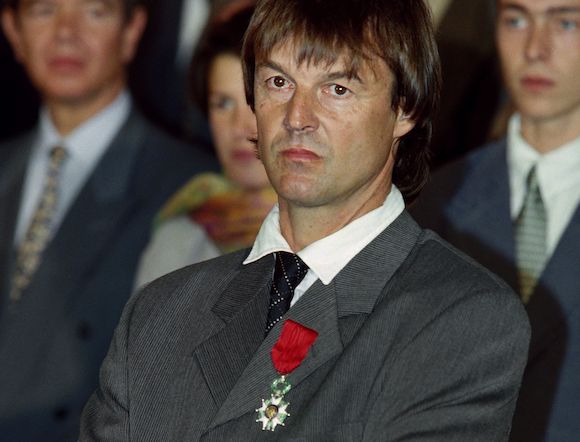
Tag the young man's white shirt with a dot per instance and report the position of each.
(558, 173)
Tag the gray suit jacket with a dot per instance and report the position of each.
(52, 342)
(416, 342)
(468, 203)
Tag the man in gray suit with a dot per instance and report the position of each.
(77, 197)
(345, 321)
(514, 206)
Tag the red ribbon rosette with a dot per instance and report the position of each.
(292, 346)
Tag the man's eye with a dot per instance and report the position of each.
(277, 82)
(40, 8)
(337, 89)
(568, 25)
(98, 9)
(515, 22)
(221, 103)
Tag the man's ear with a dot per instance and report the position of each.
(11, 29)
(132, 33)
(403, 125)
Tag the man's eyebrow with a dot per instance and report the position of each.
(271, 65)
(564, 10)
(513, 7)
(274, 66)
(550, 11)
(350, 75)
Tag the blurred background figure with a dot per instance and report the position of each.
(19, 100)
(77, 198)
(159, 76)
(514, 206)
(471, 91)
(215, 214)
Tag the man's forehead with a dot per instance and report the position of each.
(295, 54)
(541, 6)
(109, 3)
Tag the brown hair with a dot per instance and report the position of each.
(397, 31)
(223, 35)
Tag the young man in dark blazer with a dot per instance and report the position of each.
(513, 206)
(77, 197)
(345, 321)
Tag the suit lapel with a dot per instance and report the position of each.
(481, 212)
(355, 291)
(242, 308)
(92, 221)
(556, 296)
(11, 183)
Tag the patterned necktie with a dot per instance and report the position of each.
(531, 238)
(39, 231)
(288, 273)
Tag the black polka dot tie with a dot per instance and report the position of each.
(290, 270)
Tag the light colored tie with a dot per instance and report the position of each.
(39, 231)
(531, 238)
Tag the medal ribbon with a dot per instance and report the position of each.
(288, 353)
(292, 346)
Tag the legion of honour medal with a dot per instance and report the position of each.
(287, 354)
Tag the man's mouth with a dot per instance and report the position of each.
(535, 83)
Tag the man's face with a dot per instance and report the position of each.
(326, 140)
(539, 47)
(74, 50)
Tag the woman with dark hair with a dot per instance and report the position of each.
(214, 214)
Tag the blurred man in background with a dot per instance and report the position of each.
(77, 196)
(513, 206)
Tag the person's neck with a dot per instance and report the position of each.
(549, 134)
(301, 226)
(67, 115)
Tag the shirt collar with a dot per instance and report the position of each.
(328, 256)
(89, 140)
(557, 170)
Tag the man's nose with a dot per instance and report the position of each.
(301, 112)
(538, 44)
(66, 24)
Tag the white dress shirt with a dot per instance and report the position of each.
(558, 173)
(328, 256)
(85, 146)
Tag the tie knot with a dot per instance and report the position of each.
(532, 180)
(291, 268)
(289, 271)
(58, 155)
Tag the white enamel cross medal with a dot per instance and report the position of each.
(273, 411)
(287, 354)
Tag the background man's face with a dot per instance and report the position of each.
(539, 47)
(324, 138)
(74, 50)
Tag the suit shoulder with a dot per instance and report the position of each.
(185, 287)
(161, 154)
(452, 179)
(164, 162)
(22, 140)
(445, 275)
